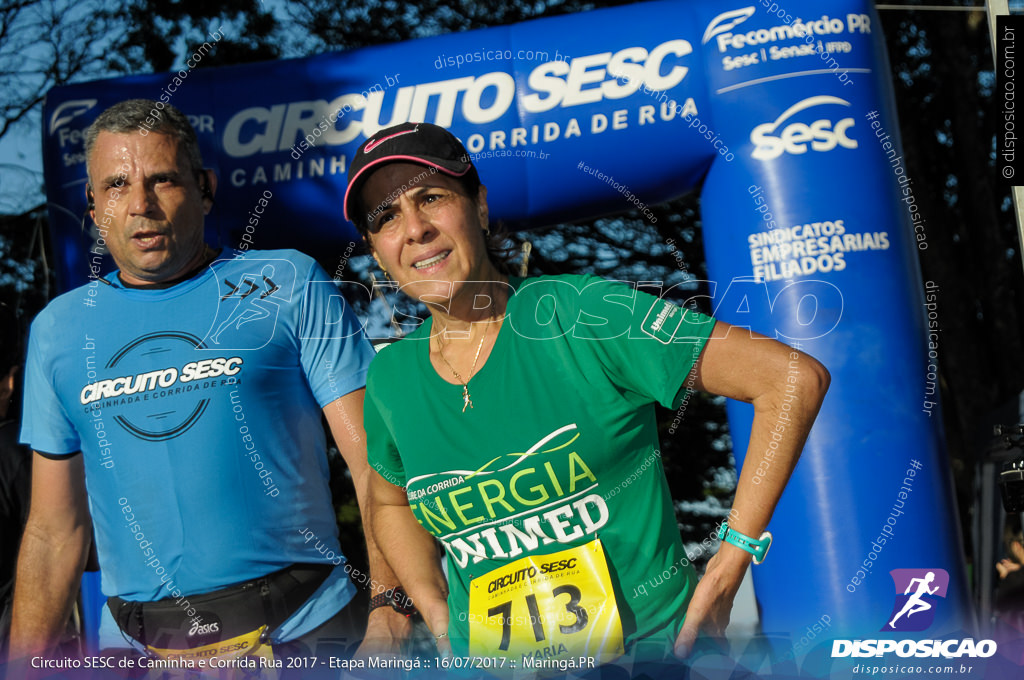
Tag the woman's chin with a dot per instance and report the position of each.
(436, 291)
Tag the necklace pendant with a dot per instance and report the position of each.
(465, 398)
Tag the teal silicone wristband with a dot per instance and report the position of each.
(756, 547)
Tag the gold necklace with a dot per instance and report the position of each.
(466, 401)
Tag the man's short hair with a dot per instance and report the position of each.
(145, 116)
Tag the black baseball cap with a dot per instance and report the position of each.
(422, 143)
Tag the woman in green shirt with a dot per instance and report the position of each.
(516, 426)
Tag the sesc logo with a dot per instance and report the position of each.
(821, 135)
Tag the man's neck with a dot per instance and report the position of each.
(207, 256)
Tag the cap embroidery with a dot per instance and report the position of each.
(370, 146)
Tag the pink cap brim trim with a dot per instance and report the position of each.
(389, 159)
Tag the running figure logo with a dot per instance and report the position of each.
(249, 303)
(245, 313)
(917, 591)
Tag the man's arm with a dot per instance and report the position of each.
(786, 388)
(386, 628)
(53, 553)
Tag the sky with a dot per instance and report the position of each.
(21, 163)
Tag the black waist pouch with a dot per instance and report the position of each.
(193, 621)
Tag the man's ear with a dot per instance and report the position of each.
(208, 187)
(90, 201)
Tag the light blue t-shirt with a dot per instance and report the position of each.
(198, 411)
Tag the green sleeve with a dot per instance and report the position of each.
(645, 344)
(381, 451)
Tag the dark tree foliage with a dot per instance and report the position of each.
(156, 29)
(943, 78)
(347, 25)
(42, 47)
(26, 283)
(43, 44)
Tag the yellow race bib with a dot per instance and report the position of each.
(547, 606)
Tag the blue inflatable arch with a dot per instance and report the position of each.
(811, 229)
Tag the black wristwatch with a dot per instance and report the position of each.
(396, 599)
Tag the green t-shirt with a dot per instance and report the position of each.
(560, 447)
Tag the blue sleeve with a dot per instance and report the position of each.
(45, 425)
(334, 351)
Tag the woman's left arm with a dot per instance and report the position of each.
(786, 388)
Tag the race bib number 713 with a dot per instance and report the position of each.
(549, 605)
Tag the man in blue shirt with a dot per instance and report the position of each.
(177, 402)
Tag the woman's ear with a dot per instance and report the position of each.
(369, 247)
(481, 206)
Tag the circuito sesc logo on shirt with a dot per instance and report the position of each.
(157, 385)
(161, 402)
